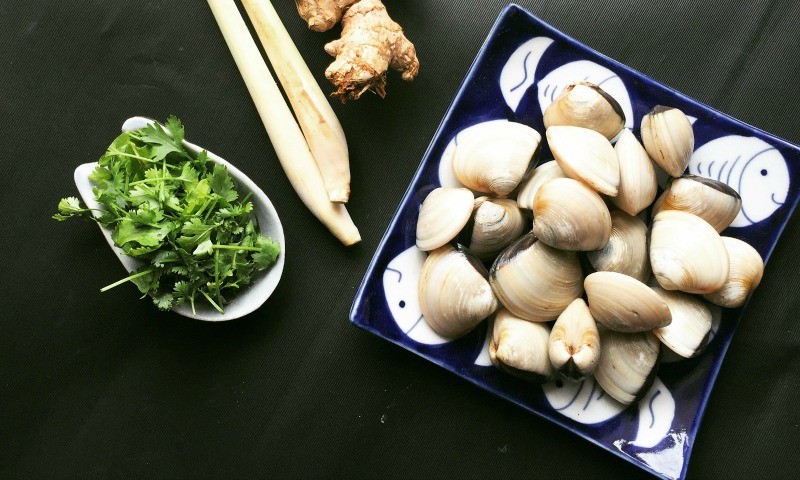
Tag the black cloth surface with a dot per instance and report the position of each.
(105, 386)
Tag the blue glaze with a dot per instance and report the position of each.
(687, 382)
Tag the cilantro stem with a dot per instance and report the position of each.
(216, 272)
(157, 179)
(235, 247)
(132, 277)
(114, 151)
(212, 302)
(210, 210)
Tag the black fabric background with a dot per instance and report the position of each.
(104, 386)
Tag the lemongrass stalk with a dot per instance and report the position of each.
(283, 131)
(320, 126)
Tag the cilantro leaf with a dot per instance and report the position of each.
(222, 184)
(163, 301)
(161, 143)
(127, 231)
(268, 252)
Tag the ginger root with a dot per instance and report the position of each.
(370, 44)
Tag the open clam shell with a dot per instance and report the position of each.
(587, 156)
(574, 345)
(686, 253)
(637, 176)
(713, 201)
(571, 216)
(624, 304)
(690, 330)
(444, 213)
(496, 159)
(584, 104)
(628, 364)
(519, 347)
(746, 270)
(497, 222)
(454, 295)
(534, 281)
(540, 175)
(626, 251)
(668, 138)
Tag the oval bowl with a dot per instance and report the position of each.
(248, 299)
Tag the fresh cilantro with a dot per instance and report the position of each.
(181, 215)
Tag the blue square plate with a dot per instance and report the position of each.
(520, 69)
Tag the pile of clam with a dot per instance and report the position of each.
(590, 289)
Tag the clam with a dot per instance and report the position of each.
(443, 214)
(627, 366)
(496, 223)
(584, 104)
(637, 176)
(534, 281)
(587, 156)
(574, 346)
(689, 332)
(668, 138)
(746, 270)
(624, 304)
(496, 158)
(519, 347)
(571, 216)
(686, 253)
(454, 295)
(711, 200)
(626, 250)
(540, 175)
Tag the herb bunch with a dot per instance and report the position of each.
(180, 215)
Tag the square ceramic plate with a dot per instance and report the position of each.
(521, 67)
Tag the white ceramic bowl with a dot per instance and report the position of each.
(249, 298)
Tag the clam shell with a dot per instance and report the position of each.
(584, 104)
(686, 253)
(534, 281)
(574, 345)
(626, 250)
(668, 138)
(496, 158)
(746, 270)
(540, 175)
(587, 156)
(637, 176)
(443, 214)
(519, 347)
(624, 304)
(627, 366)
(454, 295)
(689, 332)
(571, 216)
(713, 201)
(497, 222)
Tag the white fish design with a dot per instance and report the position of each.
(583, 401)
(585, 70)
(752, 167)
(666, 460)
(519, 71)
(656, 411)
(446, 176)
(400, 282)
